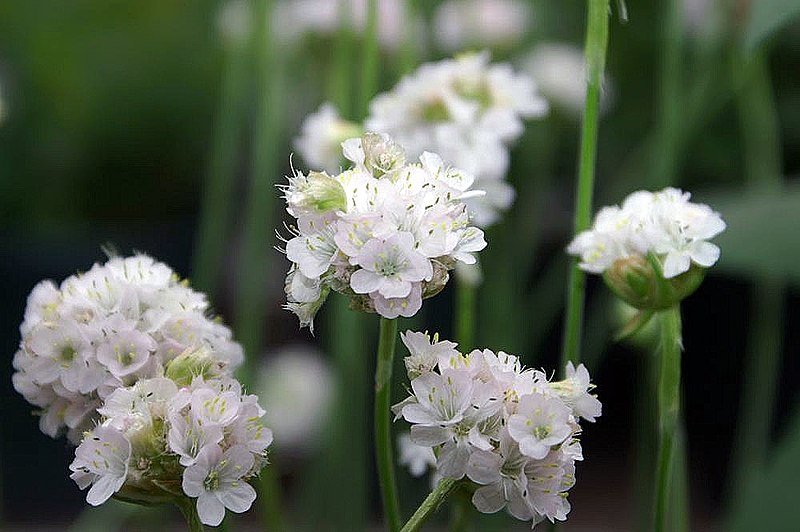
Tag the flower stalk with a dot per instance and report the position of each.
(383, 436)
(431, 503)
(669, 384)
(595, 53)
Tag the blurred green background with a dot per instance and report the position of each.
(115, 113)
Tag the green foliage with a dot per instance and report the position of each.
(767, 17)
(770, 500)
(761, 238)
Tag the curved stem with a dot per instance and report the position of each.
(430, 504)
(669, 386)
(383, 433)
(188, 508)
(595, 52)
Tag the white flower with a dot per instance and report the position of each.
(215, 479)
(384, 232)
(500, 23)
(417, 458)
(501, 474)
(540, 423)
(321, 136)
(389, 267)
(665, 223)
(105, 329)
(560, 73)
(101, 461)
(424, 352)
(469, 112)
(575, 392)
(507, 428)
(292, 19)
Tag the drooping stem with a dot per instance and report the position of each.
(669, 387)
(383, 432)
(188, 508)
(595, 53)
(431, 503)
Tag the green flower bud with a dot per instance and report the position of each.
(321, 193)
(190, 364)
(639, 282)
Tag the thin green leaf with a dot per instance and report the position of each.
(761, 238)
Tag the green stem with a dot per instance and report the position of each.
(430, 504)
(595, 52)
(251, 302)
(215, 210)
(370, 72)
(188, 508)
(465, 314)
(669, 386)
(671, 97)
(383, 433)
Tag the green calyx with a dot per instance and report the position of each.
(190, 364)
(323, 193)
(639, 281)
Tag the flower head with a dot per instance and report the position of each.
(469, 112)
(156, 441)
(384, 232)
(105, 329)
(508, 429)
(653, 249)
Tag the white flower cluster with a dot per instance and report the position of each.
(468, 111)
(665, 223)
(498, 23)
(108, 328)
(157, 442)
(384, 232)
(506, 428)
(293, 19)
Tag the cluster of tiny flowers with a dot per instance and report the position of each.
(459, 24)
(157, 442)
(467, 110)
(384, 232)
(508, 429)
(107, 328)
(664, 223)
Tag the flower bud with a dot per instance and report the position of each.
(639, 281)
(382, 155)
(190, 364)
(316, 193)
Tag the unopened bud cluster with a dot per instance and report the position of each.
(385, 232)
(653, 250)
(509, 430)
